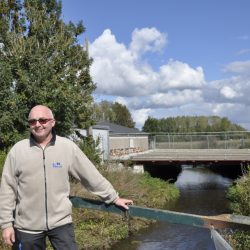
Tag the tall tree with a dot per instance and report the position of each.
(122, 115)
(185, 124)
(152, 125)
(103, 111)
(113, 112)
(42, 63)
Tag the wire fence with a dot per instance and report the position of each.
(213, 140)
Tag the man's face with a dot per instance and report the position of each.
(41, 122)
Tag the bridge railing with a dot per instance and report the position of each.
(209, 140)
(215, 222)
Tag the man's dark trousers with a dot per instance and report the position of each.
(61, 238)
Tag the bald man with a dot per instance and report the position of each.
(34, 194)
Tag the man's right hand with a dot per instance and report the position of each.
(8, 236)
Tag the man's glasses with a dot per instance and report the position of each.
(42, 121)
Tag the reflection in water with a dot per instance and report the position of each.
(201, 192)
(201, 178)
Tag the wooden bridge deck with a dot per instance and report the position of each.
(189, 156)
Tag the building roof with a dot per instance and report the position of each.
(117, 129)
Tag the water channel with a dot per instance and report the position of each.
(201, 192)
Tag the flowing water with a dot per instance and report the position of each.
(201, 192)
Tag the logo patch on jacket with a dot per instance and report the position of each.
(56, 165)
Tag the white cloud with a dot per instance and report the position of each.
(140, 115)
(175, 98)
(118, 70)
(235, 89)
(121, 100)
(241, 67)
(177, 74)
(238, 113)
(114, 68)
(147, 39)
(228, 92)
(175, 88)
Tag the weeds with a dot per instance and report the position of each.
(239, 195)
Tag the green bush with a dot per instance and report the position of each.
(90, 148)
(158, 191)
(2, 159)
(239, 196)
(142, 188)
(241, 240)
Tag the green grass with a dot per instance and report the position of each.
(239, 195)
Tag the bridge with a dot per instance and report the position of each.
(214, 149)
(210, 148)
(193, 156)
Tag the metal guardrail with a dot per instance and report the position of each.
(215, 222)
(202, 140)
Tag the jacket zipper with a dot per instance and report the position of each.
(45, 186)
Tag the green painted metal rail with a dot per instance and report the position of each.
(216, 222)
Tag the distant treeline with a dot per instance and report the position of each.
(187, 124)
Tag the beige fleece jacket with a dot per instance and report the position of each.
(34, 193)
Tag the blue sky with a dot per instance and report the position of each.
(166, 58)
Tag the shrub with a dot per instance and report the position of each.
(2, 159)
(90, 148)
(142, 188)
(239, 195)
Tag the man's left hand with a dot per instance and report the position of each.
(123, 203)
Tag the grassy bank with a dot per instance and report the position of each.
(239, 195)
(99, 230)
